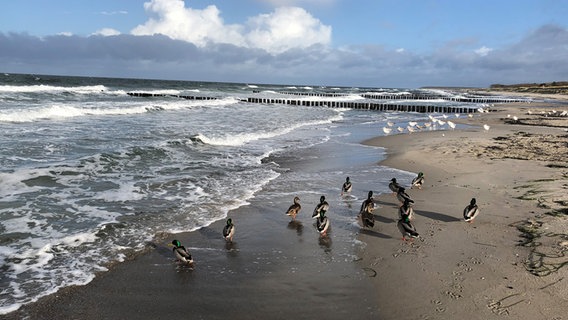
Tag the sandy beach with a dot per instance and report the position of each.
(508, 263)
(487, 269)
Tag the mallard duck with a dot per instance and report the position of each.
(471, 211)
(229, 230)
(366, 211)
(181, 253)
(322, 223)
(347, 186)
(294, 208)
(407, 229)
(394, 186)
(322, 207)
(402, 196)
(406, 211)
(418, 181)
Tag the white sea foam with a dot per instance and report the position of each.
(52, 89)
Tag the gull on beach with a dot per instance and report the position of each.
(470, 115)
(427, 124)
(451, 124)
(400, 129)
(515, 118)
(486, 127)
(412, 123)
(390, 123)
(445, 116)
(387, 130)
(410, 129)
(457, 115)
(441, 122)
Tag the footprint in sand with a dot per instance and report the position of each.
(503, 306)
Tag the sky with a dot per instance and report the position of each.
(362, 43)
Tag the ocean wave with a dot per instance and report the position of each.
(52, 89)
(58, 111)
(244, 138)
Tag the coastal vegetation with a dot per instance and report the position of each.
(555, 87)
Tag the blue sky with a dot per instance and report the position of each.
(371, 43)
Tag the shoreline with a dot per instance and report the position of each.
(488, 268)
(453, 270)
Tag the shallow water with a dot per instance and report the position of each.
(89, 174)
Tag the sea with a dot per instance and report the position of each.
(90, 174)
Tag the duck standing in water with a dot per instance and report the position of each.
(366, 211)
(394, 186)
(294, 208)
(322, 223)
(181, 253)
(347, 186)
(406, 211)
(402, 196)
(471, 211)
(322, 207)
(418, 181)
(229, 230)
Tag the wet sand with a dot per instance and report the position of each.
(277, 269)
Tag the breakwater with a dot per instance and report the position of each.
(366, 105)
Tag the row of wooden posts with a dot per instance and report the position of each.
(360, 105)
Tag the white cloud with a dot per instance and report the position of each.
(112, 13)
(284, 29)
(199, 27)
(65, 33)
(106, 32)
(400, 50)
(287, 28)
(483, 51)
(285, 3)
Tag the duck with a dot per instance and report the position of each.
(366, 211)
(418, 181)
(393, 185)
(181, 253)
(407, 229)
(471, 211)
(229, 230)
(406, 211)
(322, 207)
(322, 223)
(294, 208)
(402, 196)
(347, 186)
